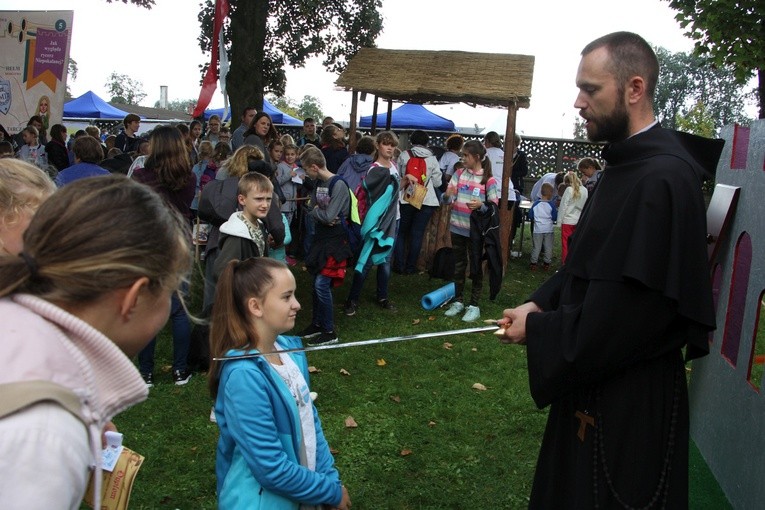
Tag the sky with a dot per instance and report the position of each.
(159, 47)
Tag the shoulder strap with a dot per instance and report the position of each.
(20, 395)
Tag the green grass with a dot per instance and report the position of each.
(425, 439)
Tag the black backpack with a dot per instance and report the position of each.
(443, 264)
(218, 200)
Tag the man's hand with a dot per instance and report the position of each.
(514, 322)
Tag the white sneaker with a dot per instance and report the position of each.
(472, 314)
(212, 415)
(454, 309)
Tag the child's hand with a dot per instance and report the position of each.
(345, 503)
(474, 204)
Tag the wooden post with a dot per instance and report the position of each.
(390, 114)
(354, 109)
(505, 216)
(374, 117)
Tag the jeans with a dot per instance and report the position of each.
(411, 227)
(322, 303)
(383, 276)
(310, 230)
(181, 328)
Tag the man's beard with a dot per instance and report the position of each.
(611, 128)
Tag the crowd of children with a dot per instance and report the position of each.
(347, 211)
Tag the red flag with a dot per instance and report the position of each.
(209, 83)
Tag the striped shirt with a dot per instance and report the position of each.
(467, 186)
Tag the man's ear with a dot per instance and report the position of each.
(129, 300)
(254, 307)
(635, 89)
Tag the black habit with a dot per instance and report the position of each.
(606, 352)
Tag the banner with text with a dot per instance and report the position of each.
(34, 60)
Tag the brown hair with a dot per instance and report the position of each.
(64, 261)
(169, 157)
(272, 134)
(628, 55)
(313, 156)
(230, 324)
(328, 137)
(88, 149)
(476, 148)
(130, 117)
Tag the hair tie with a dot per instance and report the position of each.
(31, 264)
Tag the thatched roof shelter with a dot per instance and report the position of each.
(417, 76)
(489, 79)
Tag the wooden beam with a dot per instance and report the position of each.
(390, 115)
(354, 110)
(505, 216)
(374, 117)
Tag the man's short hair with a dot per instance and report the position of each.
(629, 55)
(247, 109)
(35, 118)
(88, 150)
(130, 117)
(313, 156)
(308, 120)
(255, 180)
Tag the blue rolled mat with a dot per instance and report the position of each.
(438, 297)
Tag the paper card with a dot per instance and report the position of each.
(111, 454)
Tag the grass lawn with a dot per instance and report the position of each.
(425, 438)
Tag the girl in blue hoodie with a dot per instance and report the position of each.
(272, 453)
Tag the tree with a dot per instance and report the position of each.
(72, 75)
(285, 104)
(180, 105)
(729, 32)
(688, 79)
(310, 106)
(264, 37)
(123, 89)
(580, 132)
(697, 121)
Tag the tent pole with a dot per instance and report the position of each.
(505, 216)
(354, 110)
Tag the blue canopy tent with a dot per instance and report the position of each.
(277, 116)
(410, 116)
(90, 106)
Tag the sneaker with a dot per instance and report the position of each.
(310, 332)
(350, 308)
(148, 379)
(313, 396)
(472, 314)
(385, 304)
(181, 377)
(454, 309)
(324, 338)
(212, 415)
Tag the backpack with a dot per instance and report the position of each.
(443, 264)
(217, 201)
(362, 201)
(417, 167)
(352, 222)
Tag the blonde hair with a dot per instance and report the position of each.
(287, 140)
(71, 257)
(572, 180)
(22, 186)
(206, 150)
(237, 165)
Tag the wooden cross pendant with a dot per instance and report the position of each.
(584, 420)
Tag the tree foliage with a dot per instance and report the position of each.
(263, 38)
(179, 105)
(697, 121)
(729, 32)
(310, 106)
(580, 131)
(123, 89)
(686, 80)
